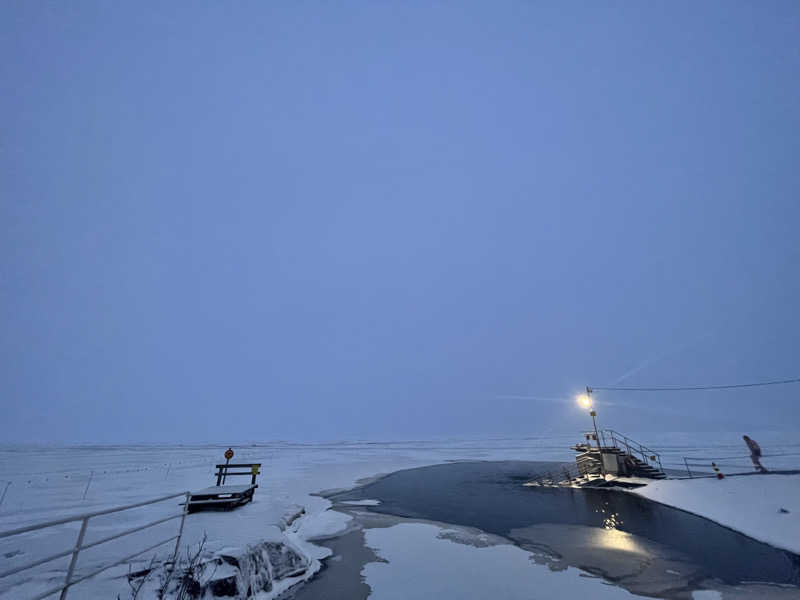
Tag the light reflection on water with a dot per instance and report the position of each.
(612, 520)
(611, 538)
(614, 539)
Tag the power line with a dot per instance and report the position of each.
(696, 387)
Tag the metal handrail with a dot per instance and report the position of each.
(707, 460)
(79, 545)
(632, 446)
(566, 474)
(557, 476)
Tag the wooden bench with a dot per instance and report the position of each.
(226, 497)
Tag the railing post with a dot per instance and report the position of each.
(687, 467)
(74, 560)
(180, 531)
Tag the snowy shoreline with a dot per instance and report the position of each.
(749, 504)
(50, 482)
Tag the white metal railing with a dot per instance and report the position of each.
(649, 457)
(704, 462)
(79, 545)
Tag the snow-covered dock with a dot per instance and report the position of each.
(221, 497)
(227, 497)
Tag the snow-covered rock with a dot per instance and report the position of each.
(254, 571)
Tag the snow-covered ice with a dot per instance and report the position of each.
(367, 502)
(467, 571)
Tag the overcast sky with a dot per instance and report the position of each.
(264, 220)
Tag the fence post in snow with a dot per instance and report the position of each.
(687, 467)
(88, 483)
(3, 497)
(169, 466)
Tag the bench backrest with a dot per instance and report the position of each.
(223, 471)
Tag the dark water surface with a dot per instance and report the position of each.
(490, 496)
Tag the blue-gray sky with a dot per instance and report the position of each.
(263, 220)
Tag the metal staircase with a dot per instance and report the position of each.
(637, 459)
(638, 467)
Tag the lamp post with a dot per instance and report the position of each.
(586, 402)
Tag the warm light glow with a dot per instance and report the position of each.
(585, 401)
(614, 539)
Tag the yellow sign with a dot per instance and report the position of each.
(228, 454)
(254, 469)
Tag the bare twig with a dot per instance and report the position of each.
(190, 576)
(136, 587)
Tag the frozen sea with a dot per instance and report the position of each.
(43, 483)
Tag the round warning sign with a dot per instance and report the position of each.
(228, 454)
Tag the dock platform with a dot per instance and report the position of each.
(222, 496)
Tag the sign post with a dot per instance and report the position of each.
(254, 471)
(228, 457)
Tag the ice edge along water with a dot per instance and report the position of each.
(750, 504)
